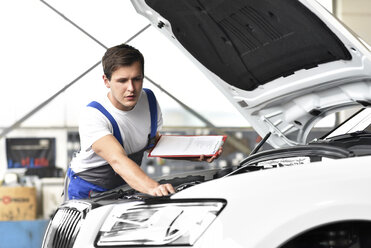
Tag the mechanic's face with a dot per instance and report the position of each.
(125, 86)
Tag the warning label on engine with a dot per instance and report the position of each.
(281, 162)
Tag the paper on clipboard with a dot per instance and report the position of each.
(187, 146)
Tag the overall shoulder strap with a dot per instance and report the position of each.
(153, 112)
(116, 130)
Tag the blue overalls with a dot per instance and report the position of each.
(104, 178)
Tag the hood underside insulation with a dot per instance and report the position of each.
(249, 43)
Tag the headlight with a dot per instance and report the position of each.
(175, 222)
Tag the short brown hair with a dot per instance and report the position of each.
(120, 55)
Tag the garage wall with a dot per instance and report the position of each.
(356, 14)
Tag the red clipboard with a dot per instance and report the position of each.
(178, 146)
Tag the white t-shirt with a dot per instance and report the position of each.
(134, 125)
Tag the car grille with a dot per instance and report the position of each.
(65, 225)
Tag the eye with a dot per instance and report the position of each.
(137, 79)
(122, 80)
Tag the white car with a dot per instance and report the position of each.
(284, 64)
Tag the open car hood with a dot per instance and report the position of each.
(284, 64)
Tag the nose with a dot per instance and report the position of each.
(130, 85)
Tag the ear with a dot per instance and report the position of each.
(106, 81)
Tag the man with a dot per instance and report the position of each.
(116, 130)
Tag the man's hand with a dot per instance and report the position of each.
(162, 190)
(211, 159)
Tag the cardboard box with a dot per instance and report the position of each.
(17, 203)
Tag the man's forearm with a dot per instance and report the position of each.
(134, 175)
(110, 149)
